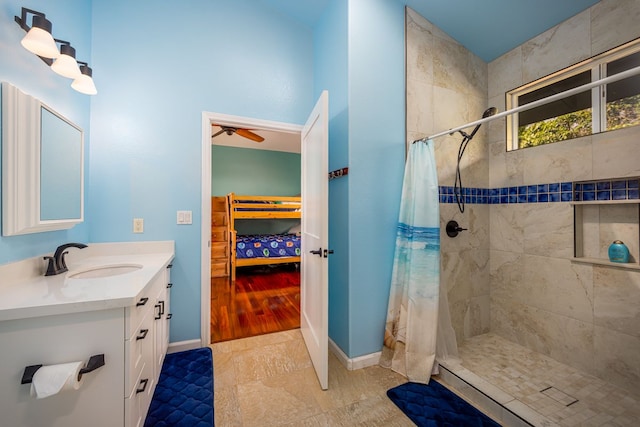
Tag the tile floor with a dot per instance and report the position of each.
(540, 389)
(268, 380)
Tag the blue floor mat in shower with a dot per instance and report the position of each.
(433, 405)
(184, 394)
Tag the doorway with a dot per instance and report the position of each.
(222, 285)
(314, 212)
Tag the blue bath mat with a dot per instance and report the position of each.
(184, 394)
(433, 405)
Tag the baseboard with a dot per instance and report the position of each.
(175, 347)
(357, 362)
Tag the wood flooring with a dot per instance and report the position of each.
(262, 300)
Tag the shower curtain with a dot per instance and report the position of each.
(411, 331)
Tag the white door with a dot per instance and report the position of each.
(314, 284)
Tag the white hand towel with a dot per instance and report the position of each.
(52, 379)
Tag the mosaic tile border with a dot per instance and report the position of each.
(611, 189)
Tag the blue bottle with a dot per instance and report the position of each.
(618, 252)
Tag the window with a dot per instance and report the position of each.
(614, 106)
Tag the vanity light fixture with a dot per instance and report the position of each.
(41, 42)
(66, 64)
(84, 83)
(38, 39)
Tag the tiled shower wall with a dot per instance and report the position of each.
(447, 86)
(511, 271)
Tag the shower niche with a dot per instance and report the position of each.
(602, 215)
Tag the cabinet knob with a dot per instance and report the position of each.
(142, 302)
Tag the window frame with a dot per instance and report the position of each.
(597, 64)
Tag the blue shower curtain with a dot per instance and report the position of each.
(412, 318)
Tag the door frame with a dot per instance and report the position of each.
(205, 224)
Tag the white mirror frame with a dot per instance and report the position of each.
(21, 118)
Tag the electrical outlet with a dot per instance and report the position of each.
(138, 225)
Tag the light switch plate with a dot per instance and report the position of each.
(138, 225)
(184, 217)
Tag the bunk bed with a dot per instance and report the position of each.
(262, 249)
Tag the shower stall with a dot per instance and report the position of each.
(547, 338)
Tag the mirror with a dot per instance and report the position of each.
(42, 166)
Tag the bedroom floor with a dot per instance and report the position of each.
(262, 300)
(268, 380)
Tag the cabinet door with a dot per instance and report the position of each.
(161, 321)
(61, 339)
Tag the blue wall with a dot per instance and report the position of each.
(376, 162)
(71, 21)
(251, 171)
(330, 62)
(159, 65)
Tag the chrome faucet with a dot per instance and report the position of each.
(57, 263)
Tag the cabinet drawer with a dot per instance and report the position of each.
(219, 234)
(219, 250)
(219, 268)
(218, 219)
(138, 350)
(218, 204)
(145, 302)
(136, 404)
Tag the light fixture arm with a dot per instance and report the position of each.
(22, 19)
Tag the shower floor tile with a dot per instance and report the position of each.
(558, 393)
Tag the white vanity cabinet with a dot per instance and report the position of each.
(147, 338)
(133, 337)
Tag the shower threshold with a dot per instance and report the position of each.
(519, 387)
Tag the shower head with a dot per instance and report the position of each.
(487, 113)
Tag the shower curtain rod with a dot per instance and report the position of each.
(623, 75)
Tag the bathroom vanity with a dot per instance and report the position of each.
(113, 301)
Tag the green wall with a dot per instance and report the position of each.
(250, 171)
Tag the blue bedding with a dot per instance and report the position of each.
(268, 246)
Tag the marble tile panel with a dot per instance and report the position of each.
(505, 168)
(548, 230)
(559, 286)
(544, 332)
(451, 66)
(376, 412)
(617, 300)
(420, 107)
(226, 407)
(619, 222)
(617, 360)
(223, 369)
(565, 44)
(475, 219)
(590, 231)
(561, 161)
(477, 319)
(505, 73)
(507, 225)
(497, 128)
(507, 273)
(279, 399)
(251, 343)
(465, 274)
(270, 360)
(616, 154)
(419, 48)
(613, 22)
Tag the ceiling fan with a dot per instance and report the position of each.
(230, 130)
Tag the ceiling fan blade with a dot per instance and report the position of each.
(217, 133)
(250, 135)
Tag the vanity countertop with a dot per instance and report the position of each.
(24, 294)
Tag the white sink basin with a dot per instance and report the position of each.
(104, 271)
